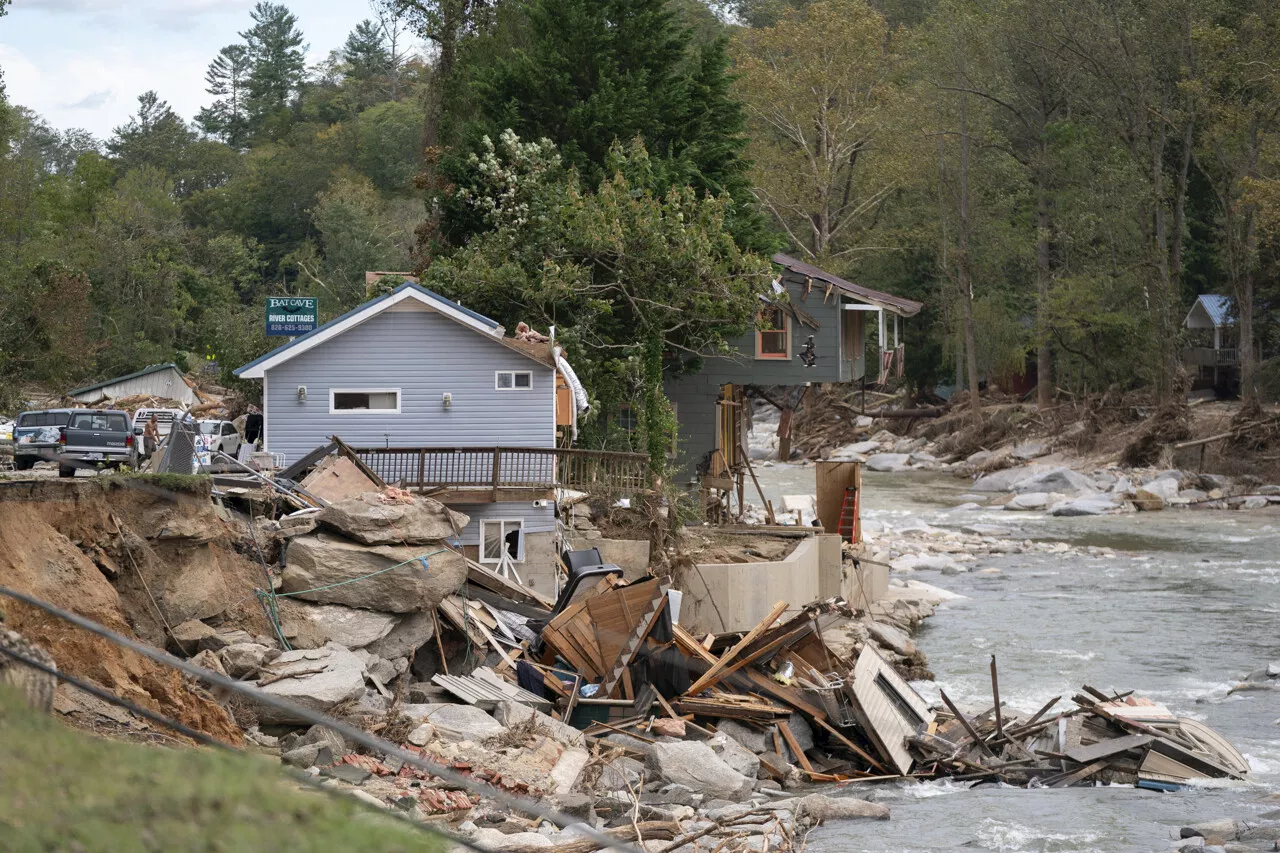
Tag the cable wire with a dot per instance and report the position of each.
(348, 731)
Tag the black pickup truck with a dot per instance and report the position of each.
(94, 437)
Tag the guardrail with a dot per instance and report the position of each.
(507, 467)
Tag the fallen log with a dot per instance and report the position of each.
(649, 830)
(931, 412)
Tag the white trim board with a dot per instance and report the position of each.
(258, 371)
(333, 392)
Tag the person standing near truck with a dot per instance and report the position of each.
(151, 435)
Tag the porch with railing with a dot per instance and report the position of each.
(507, 468)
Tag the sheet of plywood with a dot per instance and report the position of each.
(888, 708)
(337, 478)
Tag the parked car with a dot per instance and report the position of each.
(222, 435)
(96, 436)
(164, 418)
(36, 436)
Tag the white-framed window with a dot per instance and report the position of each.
(364, 401)
(497, 536)
(513, 380)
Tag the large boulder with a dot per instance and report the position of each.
(695, 765)
(370, 521)
(412, 632)
(892, 637)
(331, 570)
(819, 808)
(316, 679)
(1028, 501)
(456, 722)
(1062, 480)
(1164, 488)
(309, 626)
(735, 755)
(1004, 481)
(753, 739)
(887, 462)
(241, 659)
(1088, 505)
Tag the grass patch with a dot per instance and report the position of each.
(64, 790)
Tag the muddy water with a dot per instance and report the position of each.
(1189, 603)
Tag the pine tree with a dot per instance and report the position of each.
(276, 51)
(593, 72)
(365, 52)
(228, 78)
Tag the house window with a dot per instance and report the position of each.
(499, 536)
(364, 401)
(773, 337)
(513, 380)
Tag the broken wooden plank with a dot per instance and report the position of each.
(995, 696)
(1063, 780)
(857, 750)
(1107, 748)
(790, 738)
(714, 674)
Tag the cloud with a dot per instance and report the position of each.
(91, 101)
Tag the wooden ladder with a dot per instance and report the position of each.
(850, 522)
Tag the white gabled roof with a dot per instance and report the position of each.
(257, 368)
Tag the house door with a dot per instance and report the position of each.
(853, 343)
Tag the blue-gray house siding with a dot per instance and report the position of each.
(694, 395)
(424, 355)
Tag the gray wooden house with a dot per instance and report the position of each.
(435, 397)
(163, 381)
(813, 327)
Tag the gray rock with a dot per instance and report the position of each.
(934, 563)
(512, 713)
(308, 755)
(241, 659)
(670, 795)
(1030, 501)
(422, 735)
(753, 739)
(891, 637)
(1122, 486)
(972, 498)
(568, 768)
(620, 774)
(1029, 450)
(801, 731)
(920, 457)
(735, 755)
(574, 805)
(1193, 495)
(887, 462)
(1273, 669)
(310, 625)
(188, 635)
(1004, 481)
(1225, 828)
(1266, 491)
(411, 633)
(819, 808)
(1091, 505)
(220, 640)
(1260, 833)
(1062, 480)
(632, 743)
(696, 766)
(967, 507)
(326, 737)
(456, 722)
(321, 561)
(978, 458)
(1162, 487)
(986, 530)
(321, 679)
(863, 448)
(369, 521)
(1255, 502)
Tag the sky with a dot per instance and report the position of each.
(83, 63)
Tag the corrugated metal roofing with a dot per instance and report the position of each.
(896, 304)
(1218, 308)
(146, 371)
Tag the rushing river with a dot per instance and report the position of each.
(1185, 607)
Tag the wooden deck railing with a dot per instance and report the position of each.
(507, 467)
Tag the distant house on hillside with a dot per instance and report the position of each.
(436, 397)
(813, 329)
(1213, 356)
(165, 381)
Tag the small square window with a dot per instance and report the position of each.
(499, 536)
(513, 380)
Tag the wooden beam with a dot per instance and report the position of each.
(801, 758)
(858, 751)
(714, 674)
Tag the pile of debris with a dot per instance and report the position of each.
(1104, 739)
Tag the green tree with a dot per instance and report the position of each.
(637, 281)
(228, 79)
(277, 52)
(819, 90)
(365, 52)
(588, 73)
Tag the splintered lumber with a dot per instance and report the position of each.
(787, 736)
(995, 696)
(1107, 748)
(853, 747)
(964, 722)
(626, 616)
(733, 706)
(1065, 779)
(714, 674)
